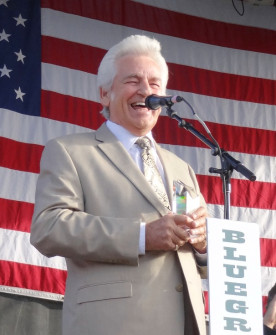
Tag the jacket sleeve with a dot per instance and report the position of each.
(60, 226)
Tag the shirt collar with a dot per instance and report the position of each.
(124, 136)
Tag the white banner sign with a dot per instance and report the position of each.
(235, 295)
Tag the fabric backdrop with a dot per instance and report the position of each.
(222, 63)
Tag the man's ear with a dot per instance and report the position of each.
(105, 97)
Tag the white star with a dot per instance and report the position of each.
(19, 94)
(4, 36)
(20, 56)
(20, 20)
(5, 71)
(4, 2)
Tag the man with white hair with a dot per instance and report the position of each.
(132, 267)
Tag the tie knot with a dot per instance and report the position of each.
(144, 142)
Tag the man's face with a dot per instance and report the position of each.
(136, 78)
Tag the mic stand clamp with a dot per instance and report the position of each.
(228, 162)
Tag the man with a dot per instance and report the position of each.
(269, 319)
(132, 267)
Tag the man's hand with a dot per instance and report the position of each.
(173, 230)
(196, 223)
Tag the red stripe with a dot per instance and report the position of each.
(16, 215)
(20, 156)
(87, 114)
(72, 110)
(268, 255)
(222, 85)
(71, 55)
(199, 81)
(32, 277)
(53, 280)
(244, 193)
(231, 138)
(162, 21)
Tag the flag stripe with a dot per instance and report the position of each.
(35, 277)
(17, 241)
(23, 128)
(222, 85)
(59, 107)
(30, 162)
(16, 215)
(239, 139)
(227, 111)
(268, 258)
(233, 138)
(261, 194)
(34, 258)
(217, 84)
(17, 185)
(79, 56)
(170, 23)
(67, 27)
(20, 156)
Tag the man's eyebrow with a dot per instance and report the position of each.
(132, 76)
(137, 76)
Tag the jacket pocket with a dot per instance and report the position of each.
(105, 291)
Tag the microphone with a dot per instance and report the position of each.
(155, 101)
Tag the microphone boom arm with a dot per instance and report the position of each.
(233, 163)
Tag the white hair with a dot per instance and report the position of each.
(136, 45)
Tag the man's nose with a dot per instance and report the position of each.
(144, 89)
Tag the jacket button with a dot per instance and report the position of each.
(179, 288)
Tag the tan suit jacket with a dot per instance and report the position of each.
(90, 200)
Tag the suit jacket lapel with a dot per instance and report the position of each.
(117, 154)
(169, 169)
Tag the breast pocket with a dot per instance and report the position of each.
(104, 291)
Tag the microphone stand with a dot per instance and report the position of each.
(228, 163)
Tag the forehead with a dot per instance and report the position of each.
(138, 66)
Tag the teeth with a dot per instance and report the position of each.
(142, 104)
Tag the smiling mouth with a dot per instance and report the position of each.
(138, 105)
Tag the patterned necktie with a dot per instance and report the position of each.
(151, 171)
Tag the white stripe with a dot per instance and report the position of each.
(15, 247)
(237, 113)
(225, 111)
(25, 184)
(17, 185)
(255, 16)
(268, 275)
(69, 82)
(46, 129)
(83, 30)
(201, 160)
(33, 129)
(263, 217)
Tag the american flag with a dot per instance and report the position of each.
(222, 63)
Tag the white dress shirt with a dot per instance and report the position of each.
(128, 141)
